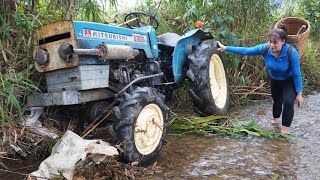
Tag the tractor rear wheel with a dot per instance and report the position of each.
(208, 72)
(140, 125)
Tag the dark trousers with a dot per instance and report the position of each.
(283, 94)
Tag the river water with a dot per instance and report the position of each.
(222, 157)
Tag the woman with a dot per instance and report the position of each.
(284, 71)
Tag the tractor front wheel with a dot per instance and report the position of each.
(208, 73)
(140, 125)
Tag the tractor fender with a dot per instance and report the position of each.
(183, 48)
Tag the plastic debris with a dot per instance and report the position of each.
(68, 152)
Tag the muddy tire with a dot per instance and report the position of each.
(210, 88)
(140, 125)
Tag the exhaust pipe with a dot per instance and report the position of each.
(103, 51)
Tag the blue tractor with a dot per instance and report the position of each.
(131, 72)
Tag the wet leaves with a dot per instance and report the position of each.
(211, 125)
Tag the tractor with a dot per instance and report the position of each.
(130, 72)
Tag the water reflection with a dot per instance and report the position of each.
(220, 157)
(193, 156)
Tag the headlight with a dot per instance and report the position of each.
(65, 51)
(42, 56)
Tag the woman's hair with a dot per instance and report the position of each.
(280, 32)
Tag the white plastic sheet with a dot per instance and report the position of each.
(68, 151)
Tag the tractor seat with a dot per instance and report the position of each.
(168, 39)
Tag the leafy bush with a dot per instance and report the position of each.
(311, 66)
(310, 9)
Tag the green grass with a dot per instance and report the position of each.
(14, 86)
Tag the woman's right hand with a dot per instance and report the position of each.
(221, 47)
(299, 99)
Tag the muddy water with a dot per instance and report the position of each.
(220, 157)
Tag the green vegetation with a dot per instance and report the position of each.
(220, 125)
(15, 61)
(311, 66)
(310, 9)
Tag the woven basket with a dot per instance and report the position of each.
(300, 40)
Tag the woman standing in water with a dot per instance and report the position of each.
(283, 64)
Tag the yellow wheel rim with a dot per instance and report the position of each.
(148, 129)
(218, 81)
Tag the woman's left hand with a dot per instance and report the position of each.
(299, 99)
(221, 47)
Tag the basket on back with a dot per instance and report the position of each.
(298, 31)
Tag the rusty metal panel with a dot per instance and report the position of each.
(50, 37)
(68, 97)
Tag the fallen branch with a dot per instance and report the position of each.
(18, 150)
(3, 53)
(253, 93)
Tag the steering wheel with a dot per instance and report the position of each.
(138, 19)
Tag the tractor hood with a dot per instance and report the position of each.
(86, 35)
